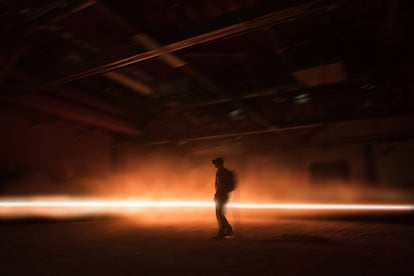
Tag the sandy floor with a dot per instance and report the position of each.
(350, 245)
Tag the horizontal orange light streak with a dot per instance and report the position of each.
(144, 204)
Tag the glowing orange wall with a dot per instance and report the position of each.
(83, 161)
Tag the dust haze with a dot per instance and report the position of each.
(262, 178)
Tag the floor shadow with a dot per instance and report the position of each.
(307, 239)
(46, 220)
(392, 218)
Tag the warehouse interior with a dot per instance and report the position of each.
(307, 101)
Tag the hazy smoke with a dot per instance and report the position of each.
(162, 176)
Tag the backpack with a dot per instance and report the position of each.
(229, 181)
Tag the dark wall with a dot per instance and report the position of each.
(43, 149)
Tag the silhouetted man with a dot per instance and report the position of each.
(224, 185)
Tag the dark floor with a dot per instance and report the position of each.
(275, 246)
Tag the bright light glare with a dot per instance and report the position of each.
(145, 204)
(61, 207)
(325, 206)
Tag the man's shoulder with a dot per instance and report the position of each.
(222, 170)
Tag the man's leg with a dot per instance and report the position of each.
(225, 228)
(228, 230)
(220, 216)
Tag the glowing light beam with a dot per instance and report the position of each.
(178, 204)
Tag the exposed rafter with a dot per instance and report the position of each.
(131, 83)
(121, 78)
(312, 127)
(177, 62)
(273, 18)
(76, 9)
(230, 135)
(229, 72)
(69, 112)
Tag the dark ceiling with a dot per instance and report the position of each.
(163, 71)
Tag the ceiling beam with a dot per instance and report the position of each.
(404, 133)
(76, 9)
(229, 135)
(68, 112)
(130, 82)
(363, 139)
(175, 61)
(251, 95)
(121, 78)
(91, 101)
(273, 18)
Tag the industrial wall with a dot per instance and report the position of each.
(348, 172)
(44, 155)
(40, 154)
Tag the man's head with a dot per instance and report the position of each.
(218, 162)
